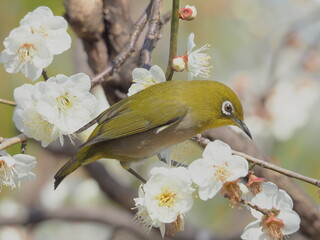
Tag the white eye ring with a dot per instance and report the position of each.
(227, 108)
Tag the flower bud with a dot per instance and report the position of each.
(188, 13)
(179, 63)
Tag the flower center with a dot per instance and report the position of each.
(232, 190)
(273, 225)
(26, 52)
(64, 102)
(167, 198)
(222, 172)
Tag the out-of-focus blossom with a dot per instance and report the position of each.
(217, 167)
(165, 198)
(25, 53)
(290, 105)
(188, 13)
(281, 219)
(285, 109)
(143, 78)
(52, 28)
(14, 169)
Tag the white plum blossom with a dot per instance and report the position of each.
(52, 28)
(218, 166)
(57, 107)
(165, 198)
(25, 53)
(27, 118)
(197, 61)
(281, 219)
(188, 13)
(67, 103)
(15, 168)
(143, 78)
(30, 47)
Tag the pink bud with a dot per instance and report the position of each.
(188, 13)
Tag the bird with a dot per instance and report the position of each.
(160, 116)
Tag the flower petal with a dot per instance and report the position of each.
(238, 166)
(291, 221)
(209, 191)
(218, 152)
(191, 44)
(283, 200)
(201, 171)
(157, 74)
(253, 232)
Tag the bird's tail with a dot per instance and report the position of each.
(66, 169)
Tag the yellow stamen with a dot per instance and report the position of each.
(166, 198)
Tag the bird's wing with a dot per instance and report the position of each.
(126, 122)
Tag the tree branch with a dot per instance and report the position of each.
(204, 142)
(151, 36)
(173, 37)
(8, 102)
(8, 142)
(120, 59)
(108, 216)
(278, 169)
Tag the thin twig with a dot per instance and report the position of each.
(173, 37)
(8, 102)
(8, 142)
(151, 36)
(204, 142)
(278, 169)
(166, 17)
(120, 59)
(255, 207)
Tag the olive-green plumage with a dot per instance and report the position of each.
(160, 116)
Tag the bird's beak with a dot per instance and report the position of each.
(242, 125)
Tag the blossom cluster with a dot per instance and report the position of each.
(167, 195)
(46, 110)
(31, 47)
(57, 107)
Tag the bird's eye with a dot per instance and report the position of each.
(227, 108)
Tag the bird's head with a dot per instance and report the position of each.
(229, 108)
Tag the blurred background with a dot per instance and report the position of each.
(267, 51)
